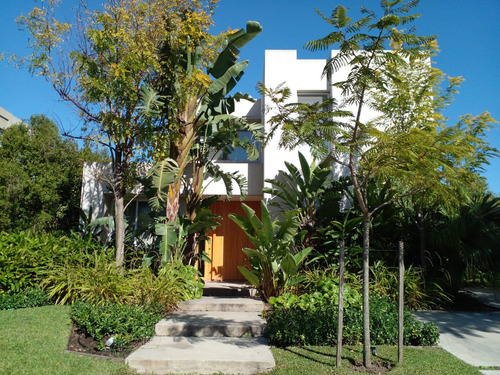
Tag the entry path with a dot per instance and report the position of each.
(471, 336)
(209, 335)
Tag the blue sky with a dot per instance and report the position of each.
(467, 33)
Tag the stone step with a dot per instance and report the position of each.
(181, 355)
(211, 324)
(223, 304)
(222, 289)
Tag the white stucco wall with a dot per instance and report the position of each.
(283, 67)
(94, 188)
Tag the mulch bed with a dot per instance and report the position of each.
(82, 343)
(377, 367)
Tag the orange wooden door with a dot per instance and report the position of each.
(226, 242)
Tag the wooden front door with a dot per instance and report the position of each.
(226, 242)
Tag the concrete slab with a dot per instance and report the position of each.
(472, 337)
(206, 303)
(212, 324)
(488, 296)
(181, 355)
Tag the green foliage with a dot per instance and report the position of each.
(25, 257)
(296, 322)
(32, 297)
(468, 238)
(124, 322)
(95, 278)
(40, 177)
(274, 261)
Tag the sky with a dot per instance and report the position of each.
(467, 32)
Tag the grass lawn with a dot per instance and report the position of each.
(321, 360)
(32, 341)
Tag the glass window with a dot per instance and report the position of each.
(239, 155)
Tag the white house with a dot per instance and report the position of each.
(7, 119)
(304, 78)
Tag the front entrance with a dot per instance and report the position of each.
(226, 242)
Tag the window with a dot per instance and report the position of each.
(239, 155)
(312, 97)
(138, 215)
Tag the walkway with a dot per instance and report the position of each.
(221, 332)
(472, 337)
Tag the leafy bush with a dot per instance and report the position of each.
(126, 323)
(96, 279)
(275, 260)
(315, 323)
(32, 297)
(26, 257)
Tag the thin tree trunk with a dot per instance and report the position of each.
(119, 230)
(367, 362)
(422, 242)
(401, 302)
(340, 323)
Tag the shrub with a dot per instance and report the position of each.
(315, 323)
(126, 323)
(32, 297)
(25, 257)
(96, 279)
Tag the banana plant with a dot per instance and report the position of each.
(274, 263)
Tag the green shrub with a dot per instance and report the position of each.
(25, 257)
(96, 279)
(32, 297)
(315, 323)
(126, 323)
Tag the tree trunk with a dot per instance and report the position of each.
(340, 323)
(422, 242)
(401, 302)
(367, 362)
(119, 229)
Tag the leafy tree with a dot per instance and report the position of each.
(407, 149)
(195, 110)
(363, 47)
(40, 178)
(100, 64)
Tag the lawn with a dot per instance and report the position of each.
(32, 341)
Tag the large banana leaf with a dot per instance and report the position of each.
(229, 55)
(162, 174)
(250, 276)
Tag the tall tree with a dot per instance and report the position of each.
(363, 48)
(195, 109)
(100, 64)
(40, 177)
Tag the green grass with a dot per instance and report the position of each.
(32, 341)
(321, 360)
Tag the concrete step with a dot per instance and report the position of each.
(223, 304)
(211, 324)
(181, 355)
(223, 289)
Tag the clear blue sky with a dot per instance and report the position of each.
(467, 32)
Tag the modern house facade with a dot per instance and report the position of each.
(307, 84)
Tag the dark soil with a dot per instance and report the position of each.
(377, 367)
(83, 343)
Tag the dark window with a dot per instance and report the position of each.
(239, 155)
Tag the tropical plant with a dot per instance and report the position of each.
(468, 239)
(300, 190)
(100, 65)
(275, 262)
